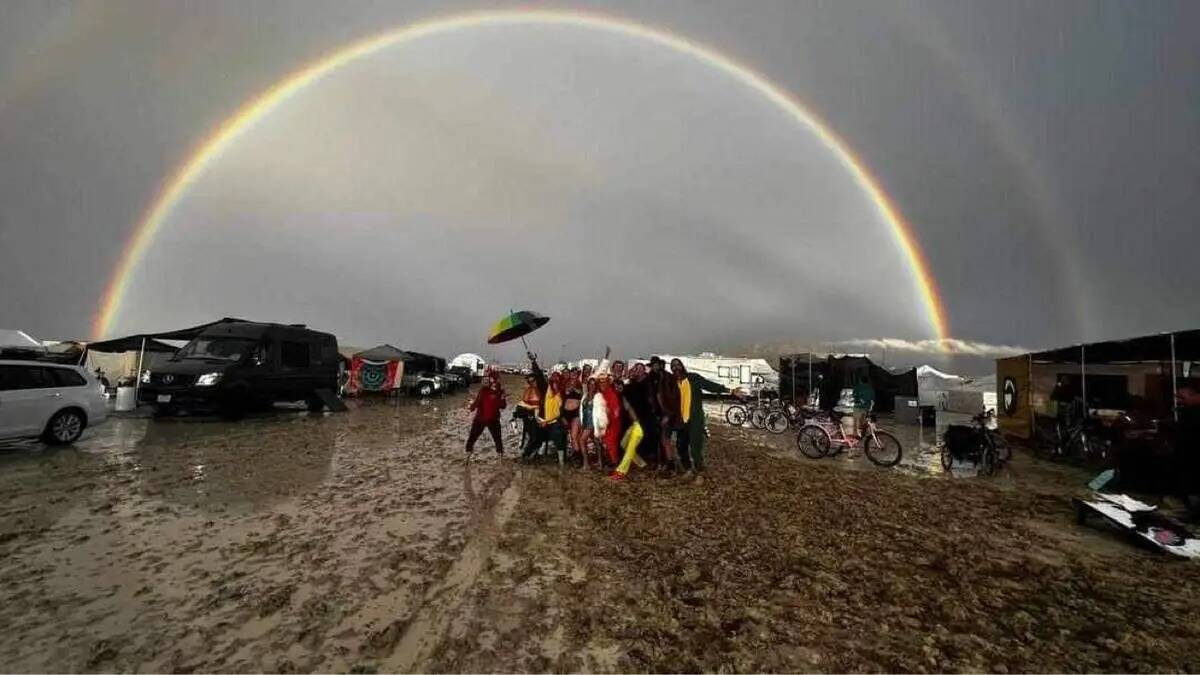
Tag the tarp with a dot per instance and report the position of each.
(183, 334)
(843, 372)
(374, 376)
(132, 343)
(414, 362)
(383, 352)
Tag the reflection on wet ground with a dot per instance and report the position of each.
(285, 541)
(921, 455)
(366, 541)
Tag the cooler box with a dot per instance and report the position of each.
(126, 399)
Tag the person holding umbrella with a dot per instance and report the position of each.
(550, 420)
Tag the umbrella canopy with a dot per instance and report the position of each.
(516, 325)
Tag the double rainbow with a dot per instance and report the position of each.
(211, 148)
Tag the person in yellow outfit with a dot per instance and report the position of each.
(629, 443)
(551, 420)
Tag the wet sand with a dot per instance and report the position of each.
(286, 542)
(363, 541)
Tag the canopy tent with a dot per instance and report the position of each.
(1140, 374)
(835, 373)
(131, 343)
(378, 369)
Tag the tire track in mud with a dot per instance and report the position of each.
(441, 603)
(406, 636)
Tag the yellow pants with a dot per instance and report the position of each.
(633, 437)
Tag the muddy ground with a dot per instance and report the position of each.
(363, 541)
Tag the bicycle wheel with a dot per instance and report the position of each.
(882, 449)
(735, 415)
(987, 460)
(758, 418)
(947, 458)
(777, 422)
(813, 441)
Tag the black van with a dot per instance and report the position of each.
(233, 367)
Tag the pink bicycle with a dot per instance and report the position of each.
(823, 437)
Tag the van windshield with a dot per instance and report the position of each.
(219, 348)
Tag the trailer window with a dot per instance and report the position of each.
(294, 354)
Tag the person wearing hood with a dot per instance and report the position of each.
(488, 403)
(690, 428)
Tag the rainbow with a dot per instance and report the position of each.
(221, 138)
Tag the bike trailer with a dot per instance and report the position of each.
(961, 440)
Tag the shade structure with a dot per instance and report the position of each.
(516, 325)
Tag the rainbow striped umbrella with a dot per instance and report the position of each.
(516, 325)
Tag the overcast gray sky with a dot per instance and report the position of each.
(1047, 155)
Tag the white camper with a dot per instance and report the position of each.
(473, 361)
(750, 375)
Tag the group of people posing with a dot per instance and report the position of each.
(610, 416)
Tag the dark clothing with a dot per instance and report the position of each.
(691, 442)
(567, 414)
(640, 395)
(477, 428)
(539, 379)
(535, 435)
(668, 398)
(487, 404)
(654, 385)
(864, 396)
(682, 446)
(643, 398)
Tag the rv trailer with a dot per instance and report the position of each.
(753, 376)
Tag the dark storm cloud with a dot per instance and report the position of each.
(1046, 154)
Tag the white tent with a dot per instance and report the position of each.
(473, 361)
(15, 339)
(955, 393)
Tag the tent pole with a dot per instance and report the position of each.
(793, 360)
(1083, 378)
(137, 377)
(1029, 398)
(1174, 383)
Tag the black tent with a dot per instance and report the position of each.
(414, 362)
(131, 343)
(836, 373)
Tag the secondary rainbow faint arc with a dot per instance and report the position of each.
(256, 109)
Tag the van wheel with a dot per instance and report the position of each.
(235, 402)
(425, 389)
(65, 427)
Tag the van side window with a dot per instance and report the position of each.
(294, 354)
(64, 377)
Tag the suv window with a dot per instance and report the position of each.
(65, 377)
(25, 377)
(294, 354)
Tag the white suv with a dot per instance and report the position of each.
(50, 401)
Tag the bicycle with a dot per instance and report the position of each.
(737, 414)
(978, 443)
(815, 440)
(787, 416)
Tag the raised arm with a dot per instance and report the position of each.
(708, 385)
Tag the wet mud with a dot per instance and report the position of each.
(366, 542)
